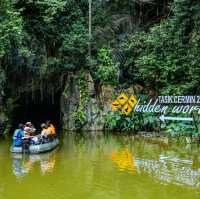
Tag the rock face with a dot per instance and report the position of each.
(4, 120)
(84, 103)
(87, 108)
(93, 109)
(4, 123)
(69, 101)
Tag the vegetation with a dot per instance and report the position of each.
(165, 59)
(152, 44)
(132, 123)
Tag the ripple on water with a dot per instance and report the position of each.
(102, 167)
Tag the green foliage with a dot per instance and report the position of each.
(106, 69)
(75, 47)
(166, 59)
(134, 122)
(179, 129)
(10, 27)
(6, 115)
(43, 40)
(10, 38)
(114, 19)
(2, 82)
(80, 115)
(9, 106)
(116, 121)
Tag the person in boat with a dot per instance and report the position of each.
(46, 133)
(29, 129)
(18, 135)
(51, 128)
(30, 132)
(35, 139)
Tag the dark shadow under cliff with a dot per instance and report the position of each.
(37, 110)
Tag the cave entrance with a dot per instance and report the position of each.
(37, 110)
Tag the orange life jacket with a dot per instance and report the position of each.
(52, 129)
(45, 131)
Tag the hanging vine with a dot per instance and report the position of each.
(80, 115)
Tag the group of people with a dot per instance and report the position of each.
(28, 132)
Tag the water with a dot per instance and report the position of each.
(102, 167)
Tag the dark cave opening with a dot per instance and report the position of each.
(37, 110)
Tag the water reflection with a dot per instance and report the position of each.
(22, 164)
(175, 163)
(103, 166)
(170, 170)
(47, 165)
(169, 164)
(124, 160)
(196, 162)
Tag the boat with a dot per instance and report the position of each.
(34, 149)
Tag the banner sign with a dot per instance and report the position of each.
(161, 104)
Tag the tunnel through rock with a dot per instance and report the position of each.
(37, 109)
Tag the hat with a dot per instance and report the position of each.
(43, 125)
(28, 123)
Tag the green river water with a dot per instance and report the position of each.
(97, 166)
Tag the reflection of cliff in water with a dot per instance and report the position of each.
(22, 164)
(171, 170)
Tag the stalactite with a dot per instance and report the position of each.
(52, 95)
(157, 8)
(32, 89)
(134, 14)
(41, 91)
(90, 28)
(140, 14)
(62, 80)
(130, 19)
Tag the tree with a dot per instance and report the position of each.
(165, 58)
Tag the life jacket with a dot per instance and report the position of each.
(52, 129)
(45, 131)
(17, 137)
(18, 134)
